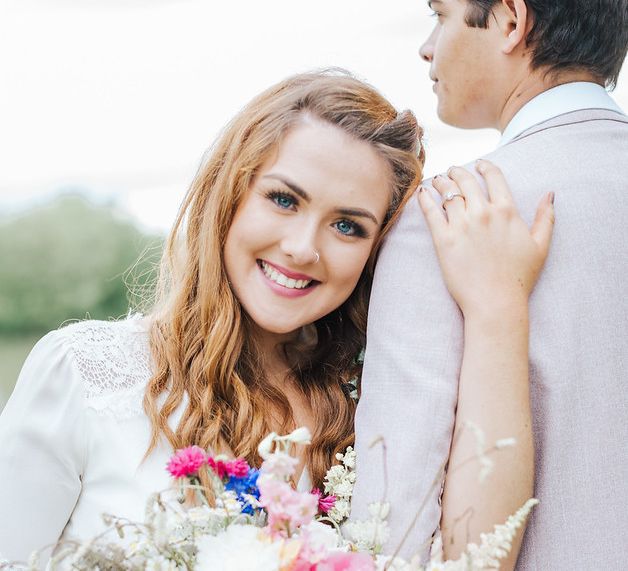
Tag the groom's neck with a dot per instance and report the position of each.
(534, 84)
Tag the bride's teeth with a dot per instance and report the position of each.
(276, 276)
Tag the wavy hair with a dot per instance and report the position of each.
(200, 337)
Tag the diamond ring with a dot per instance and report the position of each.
(450, 196)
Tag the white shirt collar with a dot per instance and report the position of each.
(558, 101)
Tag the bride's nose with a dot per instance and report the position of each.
(300, 246)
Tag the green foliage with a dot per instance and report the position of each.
(70, 259)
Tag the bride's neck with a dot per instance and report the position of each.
(270, 349)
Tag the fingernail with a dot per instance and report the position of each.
(479, 165)
(552, 197)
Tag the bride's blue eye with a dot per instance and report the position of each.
(349, 228)
(282, 199)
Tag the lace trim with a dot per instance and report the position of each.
(113, 359)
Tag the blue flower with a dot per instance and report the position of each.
(246, 486)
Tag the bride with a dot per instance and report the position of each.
(259, 317)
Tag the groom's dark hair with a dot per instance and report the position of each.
(570, 34)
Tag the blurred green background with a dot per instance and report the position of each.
(67, 259)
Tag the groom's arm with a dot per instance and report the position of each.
(409, 384)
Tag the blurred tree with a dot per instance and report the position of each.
(70, 259)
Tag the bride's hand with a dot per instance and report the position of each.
(489, 257)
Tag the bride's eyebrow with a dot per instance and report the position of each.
(359, 212)
(291, 185)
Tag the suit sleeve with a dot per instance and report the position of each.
(409, 385)
(41, 450)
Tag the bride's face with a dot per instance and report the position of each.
(303, 234)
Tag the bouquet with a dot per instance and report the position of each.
(257, 521)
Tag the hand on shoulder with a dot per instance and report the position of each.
(489, 257)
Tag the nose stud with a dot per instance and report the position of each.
(318, 256)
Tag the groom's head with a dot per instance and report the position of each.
(488, 57)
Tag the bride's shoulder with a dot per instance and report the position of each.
(112, 358)
(111, 341)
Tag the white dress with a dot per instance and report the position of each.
(73, 436)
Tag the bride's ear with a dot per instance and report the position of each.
(515, 24)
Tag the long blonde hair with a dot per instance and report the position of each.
(200, 336)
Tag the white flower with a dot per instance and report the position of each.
(340, 511)
(266, 446)
(368, 535)
(384, 563)
(343, 489)
(371, 534)
(348, 458)
(339, 481)
(239, 548)
(228, 503)
(335, 476)
(505, 443)
(160, 563)
(161, 529)
(486, 464)
(299, 436)
(319, 539)
(494, 546)
(280, 465)
(379, 510)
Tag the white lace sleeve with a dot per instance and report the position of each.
(42, 446)
(113, 359)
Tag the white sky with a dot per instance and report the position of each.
(121, 98)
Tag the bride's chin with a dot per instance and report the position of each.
(265, 325)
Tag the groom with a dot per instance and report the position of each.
(535, 70)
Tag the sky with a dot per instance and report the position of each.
(119, 99)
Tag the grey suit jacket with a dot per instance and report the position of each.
(578, 354)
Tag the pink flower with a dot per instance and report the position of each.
(218, 466)
(325, 503)
(345, 562)
(287, 509)
(238, 468)
(280, 465)
(186, 462)
(318, 541)
(274, 495)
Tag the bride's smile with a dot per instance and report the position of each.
(285, 282)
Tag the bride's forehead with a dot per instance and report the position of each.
(325, 151)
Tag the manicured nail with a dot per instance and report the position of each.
(552, 197)
(480, 166)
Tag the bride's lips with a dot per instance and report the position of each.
(289, 274)
(283, 290)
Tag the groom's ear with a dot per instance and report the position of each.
(515, 23)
